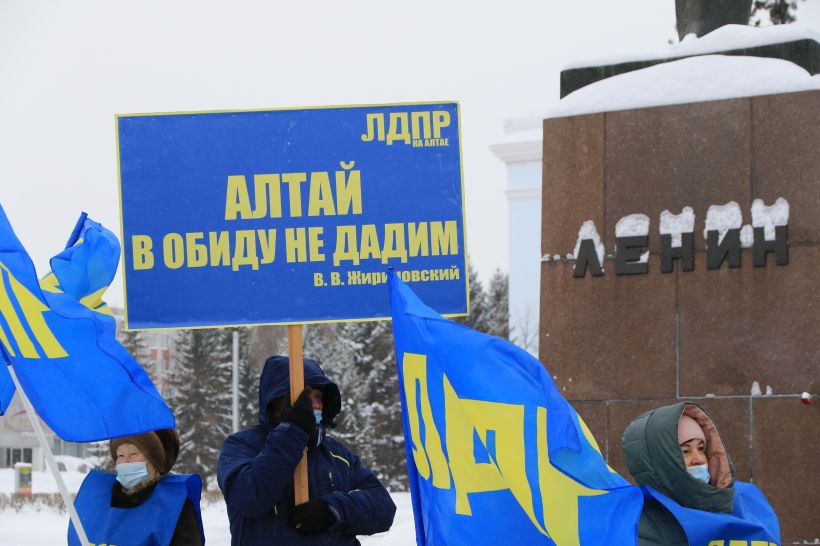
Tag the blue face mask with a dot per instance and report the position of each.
(130, 474)
(317, 414)
(699, 472)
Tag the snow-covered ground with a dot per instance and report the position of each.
(47, 527)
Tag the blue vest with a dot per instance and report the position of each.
(753, 520)
(150, 524)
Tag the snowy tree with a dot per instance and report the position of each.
(497, 313)
(201, 399)
(489, 309)
(101, 454)
(478, 303)
(248, 395)
(371, 410)
(133, 341)
(266, 341)
(779, 11)
(321, 343)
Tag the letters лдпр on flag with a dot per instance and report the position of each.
(495, 454)
(60, 338)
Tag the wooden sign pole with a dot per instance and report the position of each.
(297, 385)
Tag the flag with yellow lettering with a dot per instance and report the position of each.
(81, 381)
(495, 454)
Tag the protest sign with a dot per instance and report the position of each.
(290, 216)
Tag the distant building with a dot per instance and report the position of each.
(18, 444)
(521, 151)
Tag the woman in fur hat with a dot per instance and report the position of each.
(142, 504)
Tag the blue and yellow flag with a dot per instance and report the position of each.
(83, 270)
(494, 452)
(86, 267)
(79, 378)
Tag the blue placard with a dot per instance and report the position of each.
(290, 216)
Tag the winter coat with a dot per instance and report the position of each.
(654, 459)
(256, 467)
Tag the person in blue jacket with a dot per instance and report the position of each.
(142, 505)
(256, 467)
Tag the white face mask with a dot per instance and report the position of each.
(130, 474)
(700, 472)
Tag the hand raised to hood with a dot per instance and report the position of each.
(301, 412)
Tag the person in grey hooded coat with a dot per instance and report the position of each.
(654, 457)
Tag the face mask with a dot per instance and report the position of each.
(130, 474)
(317, 414)
(317, 437)
(699, 472)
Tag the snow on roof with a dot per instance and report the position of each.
(522, 141)
(725, 38)
(694, 79)
(528, 135)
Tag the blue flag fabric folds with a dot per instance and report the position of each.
(495, 454)
(83, 270)
(81, 381)
(86, 267)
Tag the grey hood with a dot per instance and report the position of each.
(654, 458)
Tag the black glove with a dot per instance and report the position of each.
(312, 517)
(301, 412)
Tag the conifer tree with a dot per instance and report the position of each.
(478, 303)
(371, 418)
(102, 456)
(202, 399)
(134, 342)
(497, 314)
(320, 343)
(248, 395)
(266, 341)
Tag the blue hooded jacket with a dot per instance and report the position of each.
(256, 466)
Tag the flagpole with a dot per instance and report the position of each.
(297, 385)
(52, 464)
(235, 383)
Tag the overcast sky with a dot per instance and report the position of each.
(67, 67)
